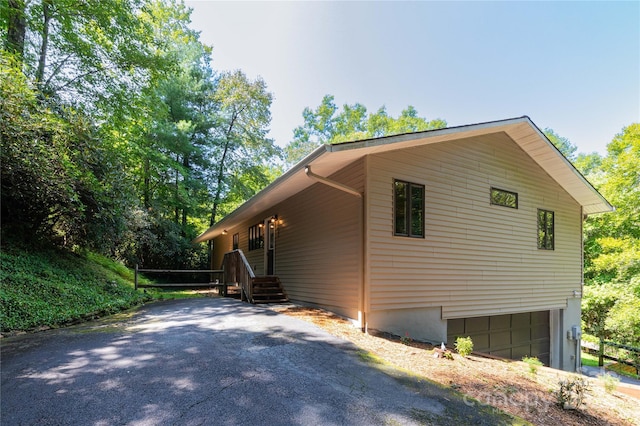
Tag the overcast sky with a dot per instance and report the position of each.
(570, 66)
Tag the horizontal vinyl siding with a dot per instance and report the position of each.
(319, 247)
(318, 255)
(476, 258)
(221, 245)
(224, 244)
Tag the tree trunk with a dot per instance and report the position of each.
(146, 191)
(601, 353)
(186, 165)
(42, 61)
(177, 192)
(220, 179)
(17, 27)
(216, 198)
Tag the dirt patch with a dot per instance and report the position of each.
(504, 384)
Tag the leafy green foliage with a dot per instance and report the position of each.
(609, 382)
(116, 133)
(326, 125)
(406, 339)
(612, 241)
(52, 287)
(464, 346)
(563, 144)
(57, 177)
(533, 363)
(597, 302)
(241, 147)
(623, 321)
(87, 53)
(572, 392)
(611, 300)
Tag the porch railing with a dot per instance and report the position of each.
(238, 271)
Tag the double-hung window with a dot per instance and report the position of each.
(408, 209)
(545, 229)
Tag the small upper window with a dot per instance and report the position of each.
(236, 241)
(546, 232)
(408, 209)
(500, 197)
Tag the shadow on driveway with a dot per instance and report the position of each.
(213, 361)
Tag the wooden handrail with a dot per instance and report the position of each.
(238, 270)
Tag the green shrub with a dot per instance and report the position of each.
(572, 392)
(406, 339)
(464, 346)
(533, 363)
(47, 287)
(609, 381)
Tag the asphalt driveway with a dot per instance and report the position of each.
(212, 361)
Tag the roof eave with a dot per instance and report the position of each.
(218, 228)
(586, 195)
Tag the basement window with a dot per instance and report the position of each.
(500, 197)
(546, 234)
(408, 205)
(256, 237)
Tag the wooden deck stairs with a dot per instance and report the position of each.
(268, 289)
(238, 275)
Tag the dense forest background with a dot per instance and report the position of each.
(119, 137)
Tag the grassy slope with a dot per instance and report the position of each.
(51, 287)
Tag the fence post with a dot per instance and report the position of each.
(135, 278)
(601, 353)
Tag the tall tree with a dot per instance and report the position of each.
(240, 139)
(83, 52)
(16, 26)
(82, 67)
(612, 241)
(563, 144)
(326, 124)
(116, 132)
(611, 300)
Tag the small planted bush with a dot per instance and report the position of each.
(533, 363)
(609, 381)
(464, 346)
(406, 339)
(571, 392)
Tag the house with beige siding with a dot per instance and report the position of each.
(464, 231)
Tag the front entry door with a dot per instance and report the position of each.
(270, 245)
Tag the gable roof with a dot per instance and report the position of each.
(328, 159)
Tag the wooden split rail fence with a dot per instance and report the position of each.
(623, 354)
(216, 278)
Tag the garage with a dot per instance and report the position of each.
(509, 336)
